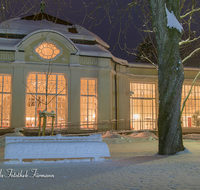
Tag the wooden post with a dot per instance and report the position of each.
(39, 125)
(44, 125)
(52, 125)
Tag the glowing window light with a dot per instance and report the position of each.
(88, 103)
(47, 50)
(136, 116)
(35, 97)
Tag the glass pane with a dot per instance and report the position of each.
(7, 84)
(1, 83)
(62, 85)
(41, 83)
(30, 111)
(83, 87)
(31, 83)
(61, 109)
(52, 84)
(91, 87)
(6, 110)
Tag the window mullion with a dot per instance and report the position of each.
(87, 101)
(2, 101)
(36, 82)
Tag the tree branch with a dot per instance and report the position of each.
(191, 54)
(188, 41)
(190, 12)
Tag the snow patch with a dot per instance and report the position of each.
(185, 151)
(53, 162)
(192, 136)
(110, 135)
(144, 135)
(172, 21)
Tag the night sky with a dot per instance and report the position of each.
(74, 11)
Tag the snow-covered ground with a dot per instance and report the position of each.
(134, 164)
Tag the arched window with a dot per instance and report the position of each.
(36, 97)
(47, 50)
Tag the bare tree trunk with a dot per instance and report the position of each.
(170, 77)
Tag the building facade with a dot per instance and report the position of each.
(45, 61)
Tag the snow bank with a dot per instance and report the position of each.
(185, 151)
(144, 135)
(55, 147)
(110, 135)
(192, 136)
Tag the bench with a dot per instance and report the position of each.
(55, 147)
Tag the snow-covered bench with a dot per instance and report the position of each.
(55, 147)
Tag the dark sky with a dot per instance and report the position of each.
(103, 30)
(73, 11)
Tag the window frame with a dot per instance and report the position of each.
(2, 93)
(93, 125)
(44, 94)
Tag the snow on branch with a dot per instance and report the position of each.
(190, 12)
(195, 51)
(148, 31)
(188, 41)
(172, 21)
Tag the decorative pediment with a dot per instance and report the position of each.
(45, 46)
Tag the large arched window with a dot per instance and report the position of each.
(36, 97)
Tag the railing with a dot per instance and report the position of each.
(104, 125)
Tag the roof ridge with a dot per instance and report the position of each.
(41, 16)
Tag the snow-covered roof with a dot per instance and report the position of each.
(14, 31)
(98, 51)
(25, 27)
(8, 44)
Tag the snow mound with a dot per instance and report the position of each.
(192, 136)
(110, 135)
(144, 135)
(185, 151)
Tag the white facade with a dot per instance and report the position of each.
(88, 88)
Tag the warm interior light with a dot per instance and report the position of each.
(136, 116)
(88, 104)
(30, 118)
(47, 50)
